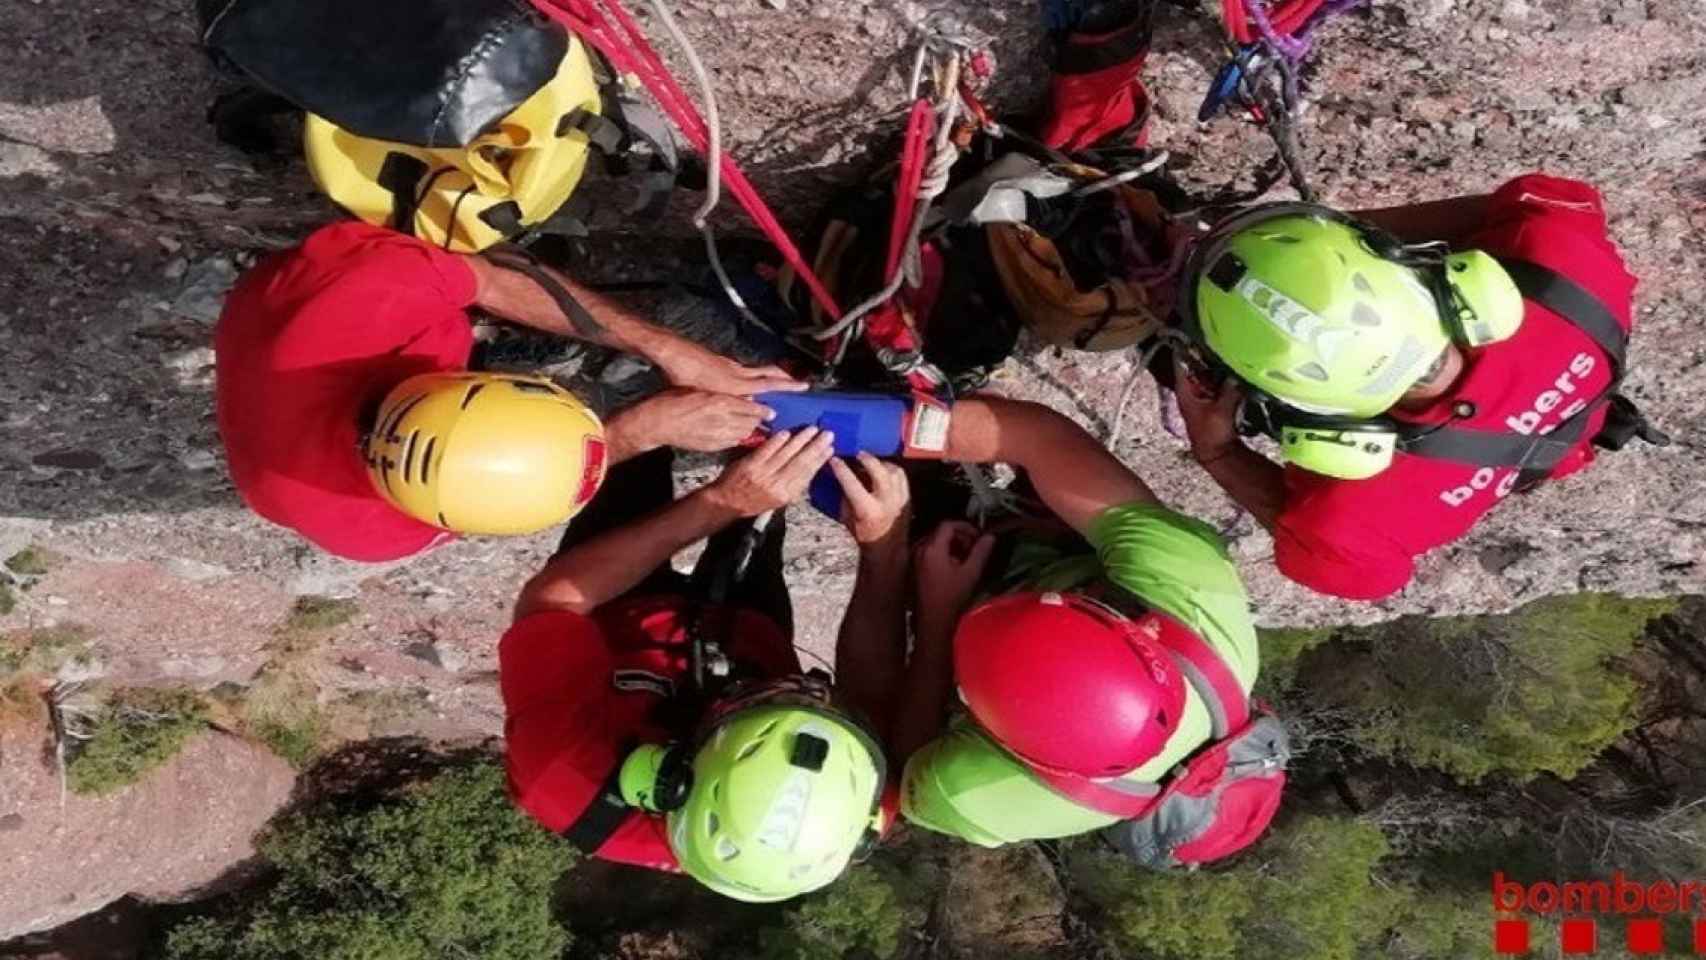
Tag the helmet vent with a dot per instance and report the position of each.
(1313, 371)
(726, 849)
(1280, 375)
(409, 456)
(473, 392)
(401, 412)
(531, 386)
(1360, 282)
(750, 749)
(1364, 315)
(426, 458)
(1281, 238)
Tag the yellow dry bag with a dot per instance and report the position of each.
(508, 179)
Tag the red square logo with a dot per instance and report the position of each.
(1578, 936)
(1510, 936)
(1646, 937)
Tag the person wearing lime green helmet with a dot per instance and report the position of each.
(663, 720)
(1415, 366)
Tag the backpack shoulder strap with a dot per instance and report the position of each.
(602, 817)
(1573, 302)
(1496, 448)
(1204, 668)
(1536, 455)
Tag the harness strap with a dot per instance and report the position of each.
(1535, 455)
(1205, 670)
(1573, 302)
(401, 175)
(1497, 448)
(1115, 797)
(522, 262)
(602, 132)
(603, 817)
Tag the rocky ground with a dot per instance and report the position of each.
(124, 222)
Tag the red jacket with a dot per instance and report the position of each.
(580, 691)
(312, 339)
(1360, 538)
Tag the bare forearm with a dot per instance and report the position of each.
(521, 291)
(870, 651)
(604, 567)
(927, 691)
(1253, 481)
(625, 435)
(1073, 473)
(1451, 220)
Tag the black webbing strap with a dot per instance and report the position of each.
(401, 175)
(524, 263)
(1570, 300)
(602, 132)
(603, 817)
(1535, 455)
(1498, 448)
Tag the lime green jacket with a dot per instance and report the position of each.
(965, 785)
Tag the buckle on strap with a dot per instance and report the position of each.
(1624, 422)
(602, 132)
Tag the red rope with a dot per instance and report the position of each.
(919, 127)
(630, 52)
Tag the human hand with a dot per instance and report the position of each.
(875, 508)
(1210, 413)
(688, 419)
(775, 474)
(947, 566)
(687, 364)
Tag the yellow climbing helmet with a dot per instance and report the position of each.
(485, 453)
(515, 175)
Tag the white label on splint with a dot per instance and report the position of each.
(929, 427)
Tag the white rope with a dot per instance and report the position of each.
(713, 159)
(935, 181)
(1162, 339)
(1126, 176)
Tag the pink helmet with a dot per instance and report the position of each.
(1074, 688)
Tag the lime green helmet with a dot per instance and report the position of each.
(783, 795)
(1333, 317)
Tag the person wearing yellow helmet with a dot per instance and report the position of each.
(663, 720)
(1415, 364)
(348, 415)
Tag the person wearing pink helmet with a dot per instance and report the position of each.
(1104, 663)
